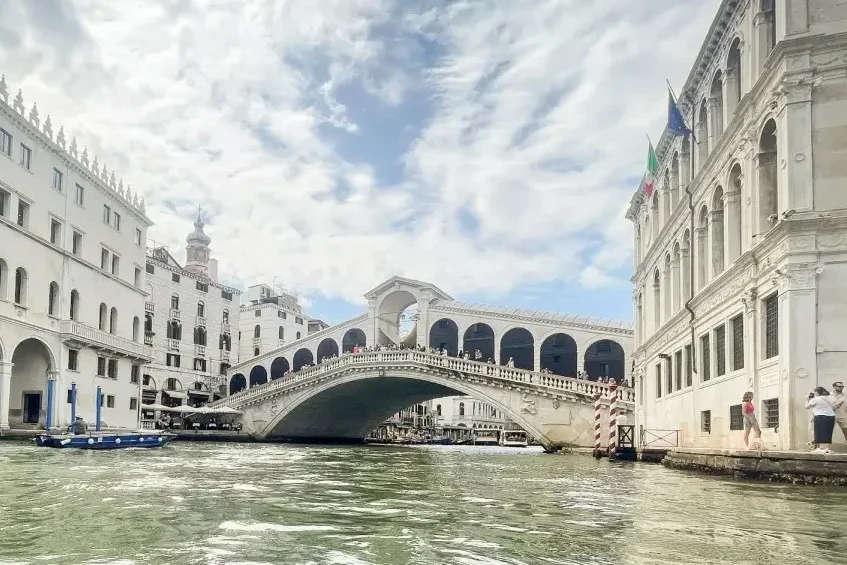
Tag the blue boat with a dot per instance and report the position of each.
(83, 439)
(104, 440)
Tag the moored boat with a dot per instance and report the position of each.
(104, 440)
(514, 438)
(486, 437)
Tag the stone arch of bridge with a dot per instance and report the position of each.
(388, 309)
(376, 406)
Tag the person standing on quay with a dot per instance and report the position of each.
(748, 410)
(841, 410)
(823, 410)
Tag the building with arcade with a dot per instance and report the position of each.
(740, 251)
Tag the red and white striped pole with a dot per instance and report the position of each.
(613, 419)
(597, 432)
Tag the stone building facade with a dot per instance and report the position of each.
(740, 270)
(191, 321)
(271, 318)
(71, 278)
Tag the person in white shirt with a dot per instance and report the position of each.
(823, 410)
(841, 411)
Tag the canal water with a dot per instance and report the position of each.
(280, 504)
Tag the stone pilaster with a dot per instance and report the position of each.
(5, 393)
(731, 88)
(796, 182)
(58, 397)
(732, 226)
(717, 242)
(716, 121)
(702, 257)
(676, 286)
(685, 274)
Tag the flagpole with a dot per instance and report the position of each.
(673, 94)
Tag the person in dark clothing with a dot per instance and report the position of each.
(79, 426)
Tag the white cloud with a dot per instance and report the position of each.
(539, 111)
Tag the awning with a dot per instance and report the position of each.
(199, 392)
(175, 394)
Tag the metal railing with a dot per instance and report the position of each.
(572, 385)
(659, 439)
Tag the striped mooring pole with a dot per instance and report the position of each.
(613, 420)
(597, 432)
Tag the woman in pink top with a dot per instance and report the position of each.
(748, 410)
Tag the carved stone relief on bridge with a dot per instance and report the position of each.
(528, 405)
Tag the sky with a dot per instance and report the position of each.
(490, 147)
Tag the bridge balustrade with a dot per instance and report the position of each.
(375, 358)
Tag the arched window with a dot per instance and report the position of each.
(136, 326)
(201, 309)
(200, 336)
(766, 29)
(21, 280)
(667, 283)
(674, 179)
(733, 219)
(666, 196)
(717, 106)
(768, 178)
(113, 321)
(148, 322)
(702, 259)
(702, 135)
(4, 275)
(685, 266)
(257, 331)
(438, 409)
(733, 77)
(654, 215)
(53, 299)
(74, 313)
(676, 278)
(298, 335)
(717, 235)
(103, 318)
(225, 317)
(256, 352)
(461, 409)
(281, 332)
(657, 301)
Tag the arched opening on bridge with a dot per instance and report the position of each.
(558, 354)
(353, 337)
(479, 337)
(279, 367)
(327, 349)
(302, 358)
(237, 383)
(518, 344)
(32, 360)
(444, 334)
(605, 358)
(258, 376)
(396, 318)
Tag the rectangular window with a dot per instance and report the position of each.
(133, 404)
(73, 359)
(79, 195)
(736, 418)
(174, 277)
(26, 157)
(678, 368)
(104, 259)
(101, 366)
(110, 401)
(720, 351)
(658, 380)
(6, 142)
(70, 396)
(150, 268)
(298, 320)
(57, 179)
(172, 360)
(134, 374)
(55, 232)
(669, 376)
(117, 219)
(137, 279)
(257, 313)
(107, 215)
(706, 421)
(705, 358)
(5, 199)
(113, 368)
(226, 295)
(283, 315)
(199, 364)
(771, 326)
(201, 286)
(771, 410)
(116, 265)
(23, 214)
(737, 324)
(76, 243)
(137, 236)
(689, 366)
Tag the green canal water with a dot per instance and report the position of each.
(280, 504)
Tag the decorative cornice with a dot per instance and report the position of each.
(549, 321)
(191, 275)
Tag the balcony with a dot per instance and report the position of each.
(173, 344)
(199, 350)
(225, 356)
(75, 334)
(201, 321)
(149, 307)
(257, 341)
(148, 339)
(175, 314)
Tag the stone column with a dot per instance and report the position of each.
(794, 147)
(715, 118)
(752, 327)
(797, 353)
(5, 393)
(732, 226)
(685, 274)
(716, 228)
(59, 398)
(762, 23)
(667, 293)
(536, 354)
(702, 134)
(676, 286)
(701, 258)
(731, 87)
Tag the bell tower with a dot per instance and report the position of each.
(197, 251)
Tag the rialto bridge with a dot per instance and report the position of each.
(282, 382)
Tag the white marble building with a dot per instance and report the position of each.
(271, 318)
(191, 320)
(467, 412)
(740, 271)
(71, 278)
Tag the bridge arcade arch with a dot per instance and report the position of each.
(237, 383)
(605, 358)
(479, 336)
(519, 345)
(302, 358)
(354, 337)
(327, 349)
(559, 354)
(258, 376)
(444, 334)
(279, 367)
(33, 363)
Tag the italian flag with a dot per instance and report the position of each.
(652, 170)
